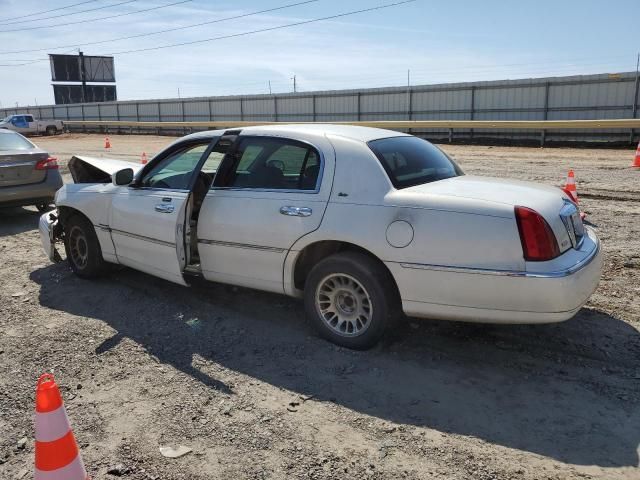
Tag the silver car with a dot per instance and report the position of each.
(28, 174)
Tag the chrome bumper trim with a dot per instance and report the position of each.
(511, 273)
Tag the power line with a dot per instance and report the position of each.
(269, 29)
(252, 32)
(167, 30)
(96, 19)
(48, 11)
(69, 14)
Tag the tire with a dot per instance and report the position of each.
(43, 207)
(82, 248)
(51, 130)
(351, 300)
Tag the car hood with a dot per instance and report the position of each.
(97, 170)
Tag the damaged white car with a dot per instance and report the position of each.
(364, 224)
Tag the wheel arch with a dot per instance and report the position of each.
(315, 252)
(65, 212)
(104, 236)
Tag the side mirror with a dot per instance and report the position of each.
(122, 177)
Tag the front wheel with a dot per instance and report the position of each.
(83, 248)
(351, 300)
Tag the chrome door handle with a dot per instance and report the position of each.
(296, 211)
(164, 208)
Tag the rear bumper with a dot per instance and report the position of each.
(32, 194)
(478, 295)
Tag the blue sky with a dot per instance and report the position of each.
(438, 41)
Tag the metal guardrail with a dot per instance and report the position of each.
(621, 124)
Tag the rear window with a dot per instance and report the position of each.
(412, 161)
(14, 141)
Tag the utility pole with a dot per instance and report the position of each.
(179, 92)
(634, 108)
(409, 94)
(295, 86)
(83, 76)
(269, 87)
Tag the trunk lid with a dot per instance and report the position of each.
(553, 204)
(18, 168)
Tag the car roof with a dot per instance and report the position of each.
(353, 132)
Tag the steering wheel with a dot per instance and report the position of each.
(279, 164)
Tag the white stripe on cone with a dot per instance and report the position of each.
(51, 426)
(74, 471)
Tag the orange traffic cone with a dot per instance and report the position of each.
(143, 158)
(570, 187)
(107, 143)
(636, 161)
(57, 455)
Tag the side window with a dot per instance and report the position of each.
(213, 162)
(20, 121)
(175, 170)
(274, 164)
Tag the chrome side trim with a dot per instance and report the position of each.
(510, 273)
(241, 245)
(142, 237)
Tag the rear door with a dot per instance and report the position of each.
(32, 124)
(269, 192)
(19, 161)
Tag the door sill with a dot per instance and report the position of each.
(193, 270)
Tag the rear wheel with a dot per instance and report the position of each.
(351, 300)
(51, 130)
(82, 247)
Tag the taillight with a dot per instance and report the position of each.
(50, 163)
(538, 241)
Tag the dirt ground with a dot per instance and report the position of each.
(238, 377)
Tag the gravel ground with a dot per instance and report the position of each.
(239, 378)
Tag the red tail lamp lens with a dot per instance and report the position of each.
(538, 241)
(50, 163)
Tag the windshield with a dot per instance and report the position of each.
(14, 141)
(6, 119)
(411, 161)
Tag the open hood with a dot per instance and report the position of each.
(97, 170)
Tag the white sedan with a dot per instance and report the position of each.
(364, 224)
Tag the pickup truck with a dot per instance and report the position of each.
(26, 124)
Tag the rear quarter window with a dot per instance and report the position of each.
(14, 141)
(411, 161)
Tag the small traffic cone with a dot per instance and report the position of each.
(143, 158)
(570, 187)
(57, 454)
(636, 161)
(107, 143)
